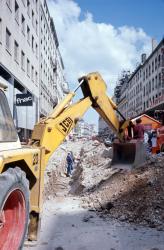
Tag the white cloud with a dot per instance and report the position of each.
(88, 46)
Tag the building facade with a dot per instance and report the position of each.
(143, 90)
(84, 129)
(19, 60)
(30, 60)
(52, 83)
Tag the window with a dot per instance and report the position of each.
(156, 63)
(144, 91)
(37, 5)
(0, 30)
(152, 66)
(8, 132)
(22, 60)
(149, 86)
(8, 40)
(152, 84)
(159, 79)
(149, 70)
(28, 34)
(28, 67)
(32, 73)
(32, 43)
(159, 61)
(36, 27)
(36, 77)
(36, 50)
(146, 73)
(23, 24)
(156, 84)
(16, 12)
(16, 51)
(28, 7)
(33, 18)
(8, 2)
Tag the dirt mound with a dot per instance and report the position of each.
(136, 196)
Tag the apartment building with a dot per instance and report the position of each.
(19, 60)
(143, 90)
(53, 85)
(84, 129)
(30, 60)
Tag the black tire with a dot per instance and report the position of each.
(14, 182)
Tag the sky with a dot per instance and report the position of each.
(107, 36)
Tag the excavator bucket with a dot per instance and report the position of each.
(128, 155)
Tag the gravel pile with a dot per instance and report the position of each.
(136, 196)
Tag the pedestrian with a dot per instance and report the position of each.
(154, 141)
(69, 164)
(139, 130)
(150, 141)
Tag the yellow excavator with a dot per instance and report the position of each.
(22, 167)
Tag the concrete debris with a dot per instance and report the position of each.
(130, 196)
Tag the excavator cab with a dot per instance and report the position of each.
(8, 134)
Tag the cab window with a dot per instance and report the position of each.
(7, 129)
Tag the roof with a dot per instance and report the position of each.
(147, 116)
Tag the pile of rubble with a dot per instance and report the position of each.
(135, 196)
(55, 174)
(93, 168)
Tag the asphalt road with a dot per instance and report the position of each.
(67, 226)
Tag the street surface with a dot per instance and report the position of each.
(67, 226)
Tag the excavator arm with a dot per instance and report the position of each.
(51, 131)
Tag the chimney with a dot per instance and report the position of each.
(143, 58)
(154, 44)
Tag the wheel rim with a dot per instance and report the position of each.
(12, 220)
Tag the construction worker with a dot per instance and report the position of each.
(69, 164)
(139, 130)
